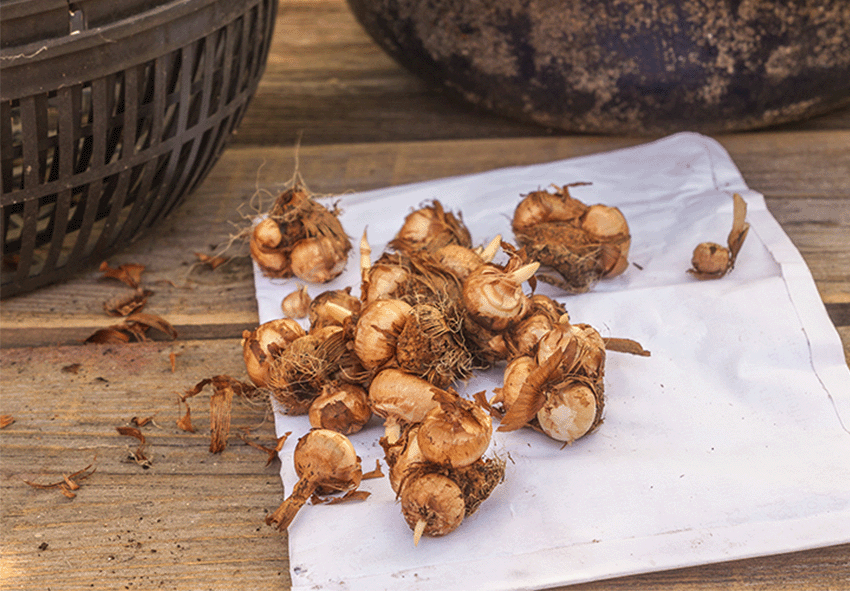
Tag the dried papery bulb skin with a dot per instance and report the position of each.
(260, 345)
(524, 336)
(570, 412)
(494, 297)
(589, 359)
(710, 260)
(329, 459)
(541, 206)
(384, 280)
(590, 351)
(581, 243)
(543, 304)
(431, 227)
(557, 339)
(319, 315)
(325, 462)
(271, 262)
(515, 375)
(402, 456)
(713, 261)
(458, 259)
(478, 480)
(567, 250)
(432, 505)
(318, 259)
(266, 234)
(377, 329)
(456, 433)
(429, 347)
(325, 332)
(296, 377)
(300, 237)
(341, 407)
(296, 304)
(400, 396)
(608, 226)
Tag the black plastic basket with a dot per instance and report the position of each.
(111, 112)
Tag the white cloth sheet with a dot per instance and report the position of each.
(730, 441)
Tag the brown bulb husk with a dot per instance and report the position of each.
(431, 346)
(402, 455)
(580, 244)
(710, 261)
(318, 313)
(457, 259)
(522, 338)
(589, 346)
(494, 296)
(340, 407)
(432, 505)
(319, 259)
(456, 433)
(299, 217)
(542, 207)
(401, 397)
(265, 342)
(431, 227)
(377, 331)
(325, 462)
(487, 347)
(607, 226)
(591, 351)
(568, 251)
(384, 280)
(413, 276)
(296, 304)
(572, 410)
(515, 375)
(297, 376)
(476, 481)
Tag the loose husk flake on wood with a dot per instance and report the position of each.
(134, 329)
(224, 389)
(129, 273)
(139, 454)
(69, 484)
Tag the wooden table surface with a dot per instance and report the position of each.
(190, 519)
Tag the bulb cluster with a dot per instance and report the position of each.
(300, 237)
(432, 310)
(581, 244)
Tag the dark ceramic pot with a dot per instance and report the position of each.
(626, 66)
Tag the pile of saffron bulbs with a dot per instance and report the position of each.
(432, 310)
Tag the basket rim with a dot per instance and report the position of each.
(150, 34)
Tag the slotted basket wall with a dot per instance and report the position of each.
(106, 125)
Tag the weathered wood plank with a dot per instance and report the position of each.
(192, 518)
